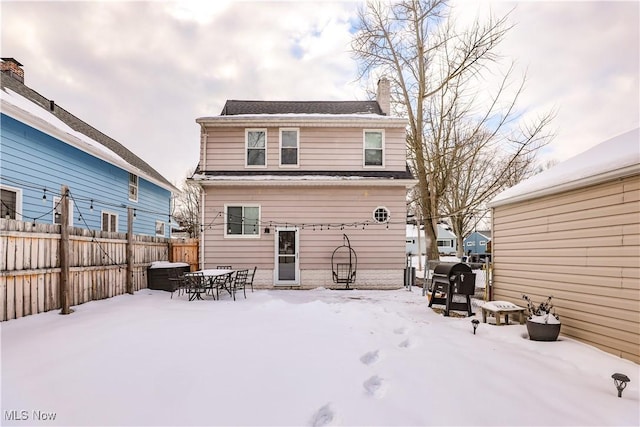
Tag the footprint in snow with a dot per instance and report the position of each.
(370, 357)
(400, 331)
(375, 386)
(406, 344)
(323, 416)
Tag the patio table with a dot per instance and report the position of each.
(212, 273)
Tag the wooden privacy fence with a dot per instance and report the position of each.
(185, 250)
(31, 273)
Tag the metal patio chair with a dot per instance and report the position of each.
(240, 282)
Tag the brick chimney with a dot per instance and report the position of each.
(13, 68)
(384, 96)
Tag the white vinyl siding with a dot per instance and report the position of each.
(377, 246)
(327, 149)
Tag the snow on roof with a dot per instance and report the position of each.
(201, 177)
(15, 104)
(35, 110)
(348, 119)
(614, 158)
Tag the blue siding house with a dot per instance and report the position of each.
(476, 242)
(44, 146)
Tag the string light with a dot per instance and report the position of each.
(91, 206)
(44, 196)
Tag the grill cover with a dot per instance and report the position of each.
(449, 269)
(458, 276)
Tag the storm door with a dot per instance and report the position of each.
(287, 270)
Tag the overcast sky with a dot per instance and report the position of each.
(142, 72)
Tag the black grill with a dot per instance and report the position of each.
(452, 278)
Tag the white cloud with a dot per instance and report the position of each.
(142, 72)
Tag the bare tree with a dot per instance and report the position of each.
(433, 68)
(187, 207)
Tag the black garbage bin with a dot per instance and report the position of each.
(158, 274)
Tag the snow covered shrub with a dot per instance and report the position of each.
(541, 313)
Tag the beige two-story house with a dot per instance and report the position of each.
(284, 182)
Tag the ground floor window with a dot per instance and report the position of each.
(109, 221)
(159, 228)
(57, 211)
(10, 203)
(242, 220)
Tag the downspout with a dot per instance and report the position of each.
(202, 228)
(203, 163)
(489, 279)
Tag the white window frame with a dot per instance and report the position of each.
(56, 200)
(376, 219)
(132, 185)
(158, 222)
(364, 147)
(111, 214)
(18, 192)
(246, 147)
(243, 206)
(482, 243)
(471, 243)
(297, 164)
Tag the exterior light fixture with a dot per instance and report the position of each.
(475, 323)
(620, 380)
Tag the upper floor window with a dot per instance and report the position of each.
(242, 220)
(10, 203)
(133, 187)
(289, 142)
(256, 146)
(57, 211)
(373, 148)
(109, 221)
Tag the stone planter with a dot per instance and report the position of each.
(543, 331)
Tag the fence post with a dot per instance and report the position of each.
(64, 250)
(130, 250)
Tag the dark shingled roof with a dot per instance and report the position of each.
(234, 107)
(78, 125)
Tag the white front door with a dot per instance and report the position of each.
(287, 271)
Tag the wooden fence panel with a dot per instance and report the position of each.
(30, 265)
(185, 250)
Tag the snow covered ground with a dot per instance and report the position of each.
(316, 357)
